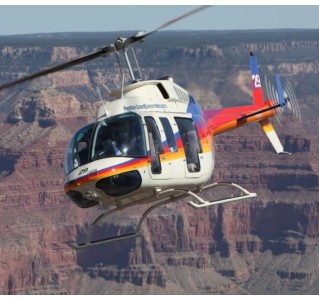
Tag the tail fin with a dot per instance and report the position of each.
(272, 136)
(255, 81)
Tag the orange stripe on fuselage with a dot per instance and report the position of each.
(133, 164)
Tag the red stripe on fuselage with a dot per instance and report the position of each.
(109, 171)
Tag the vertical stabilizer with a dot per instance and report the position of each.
(255, 81)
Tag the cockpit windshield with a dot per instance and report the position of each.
(121, 135)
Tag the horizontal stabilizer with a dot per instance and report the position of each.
(272, 136)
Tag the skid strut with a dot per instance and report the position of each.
(173, 195)
(137, 233)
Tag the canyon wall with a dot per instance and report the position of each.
(267, 245)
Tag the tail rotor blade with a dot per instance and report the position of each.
(285, 96)
(292, 101)
(280, 92)
(272, 94)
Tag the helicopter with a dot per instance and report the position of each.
(153, 144)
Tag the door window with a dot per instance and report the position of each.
(190, 142)
(156, 145)
(170, 137)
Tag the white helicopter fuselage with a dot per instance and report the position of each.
(162, 144)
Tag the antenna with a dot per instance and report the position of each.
(98, 91)
(128, 64)
(136, 63)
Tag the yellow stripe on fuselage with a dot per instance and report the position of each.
(126, 167)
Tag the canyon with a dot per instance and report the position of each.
(266, 245)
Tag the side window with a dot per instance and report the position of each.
(82, 145)
(171, 142)
(78, 149)
(156, 145)
(190, 142)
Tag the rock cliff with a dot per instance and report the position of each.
(267, 245)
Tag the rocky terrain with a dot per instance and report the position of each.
(267, 245)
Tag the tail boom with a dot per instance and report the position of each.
(231, 118)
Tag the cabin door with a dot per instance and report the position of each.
(158, 168)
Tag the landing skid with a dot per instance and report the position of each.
(204, 203)
(174, 195)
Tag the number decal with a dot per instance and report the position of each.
(83, 171)
(256, 80)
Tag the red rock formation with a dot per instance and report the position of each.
(264, 245)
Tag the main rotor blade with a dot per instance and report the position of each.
(119, 45)
(192, 12)
(140, 36)
(102, 51)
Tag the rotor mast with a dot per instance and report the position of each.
(122, 45)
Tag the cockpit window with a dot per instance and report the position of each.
(78, 149)
(121, 135)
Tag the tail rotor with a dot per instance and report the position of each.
(284, 95)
